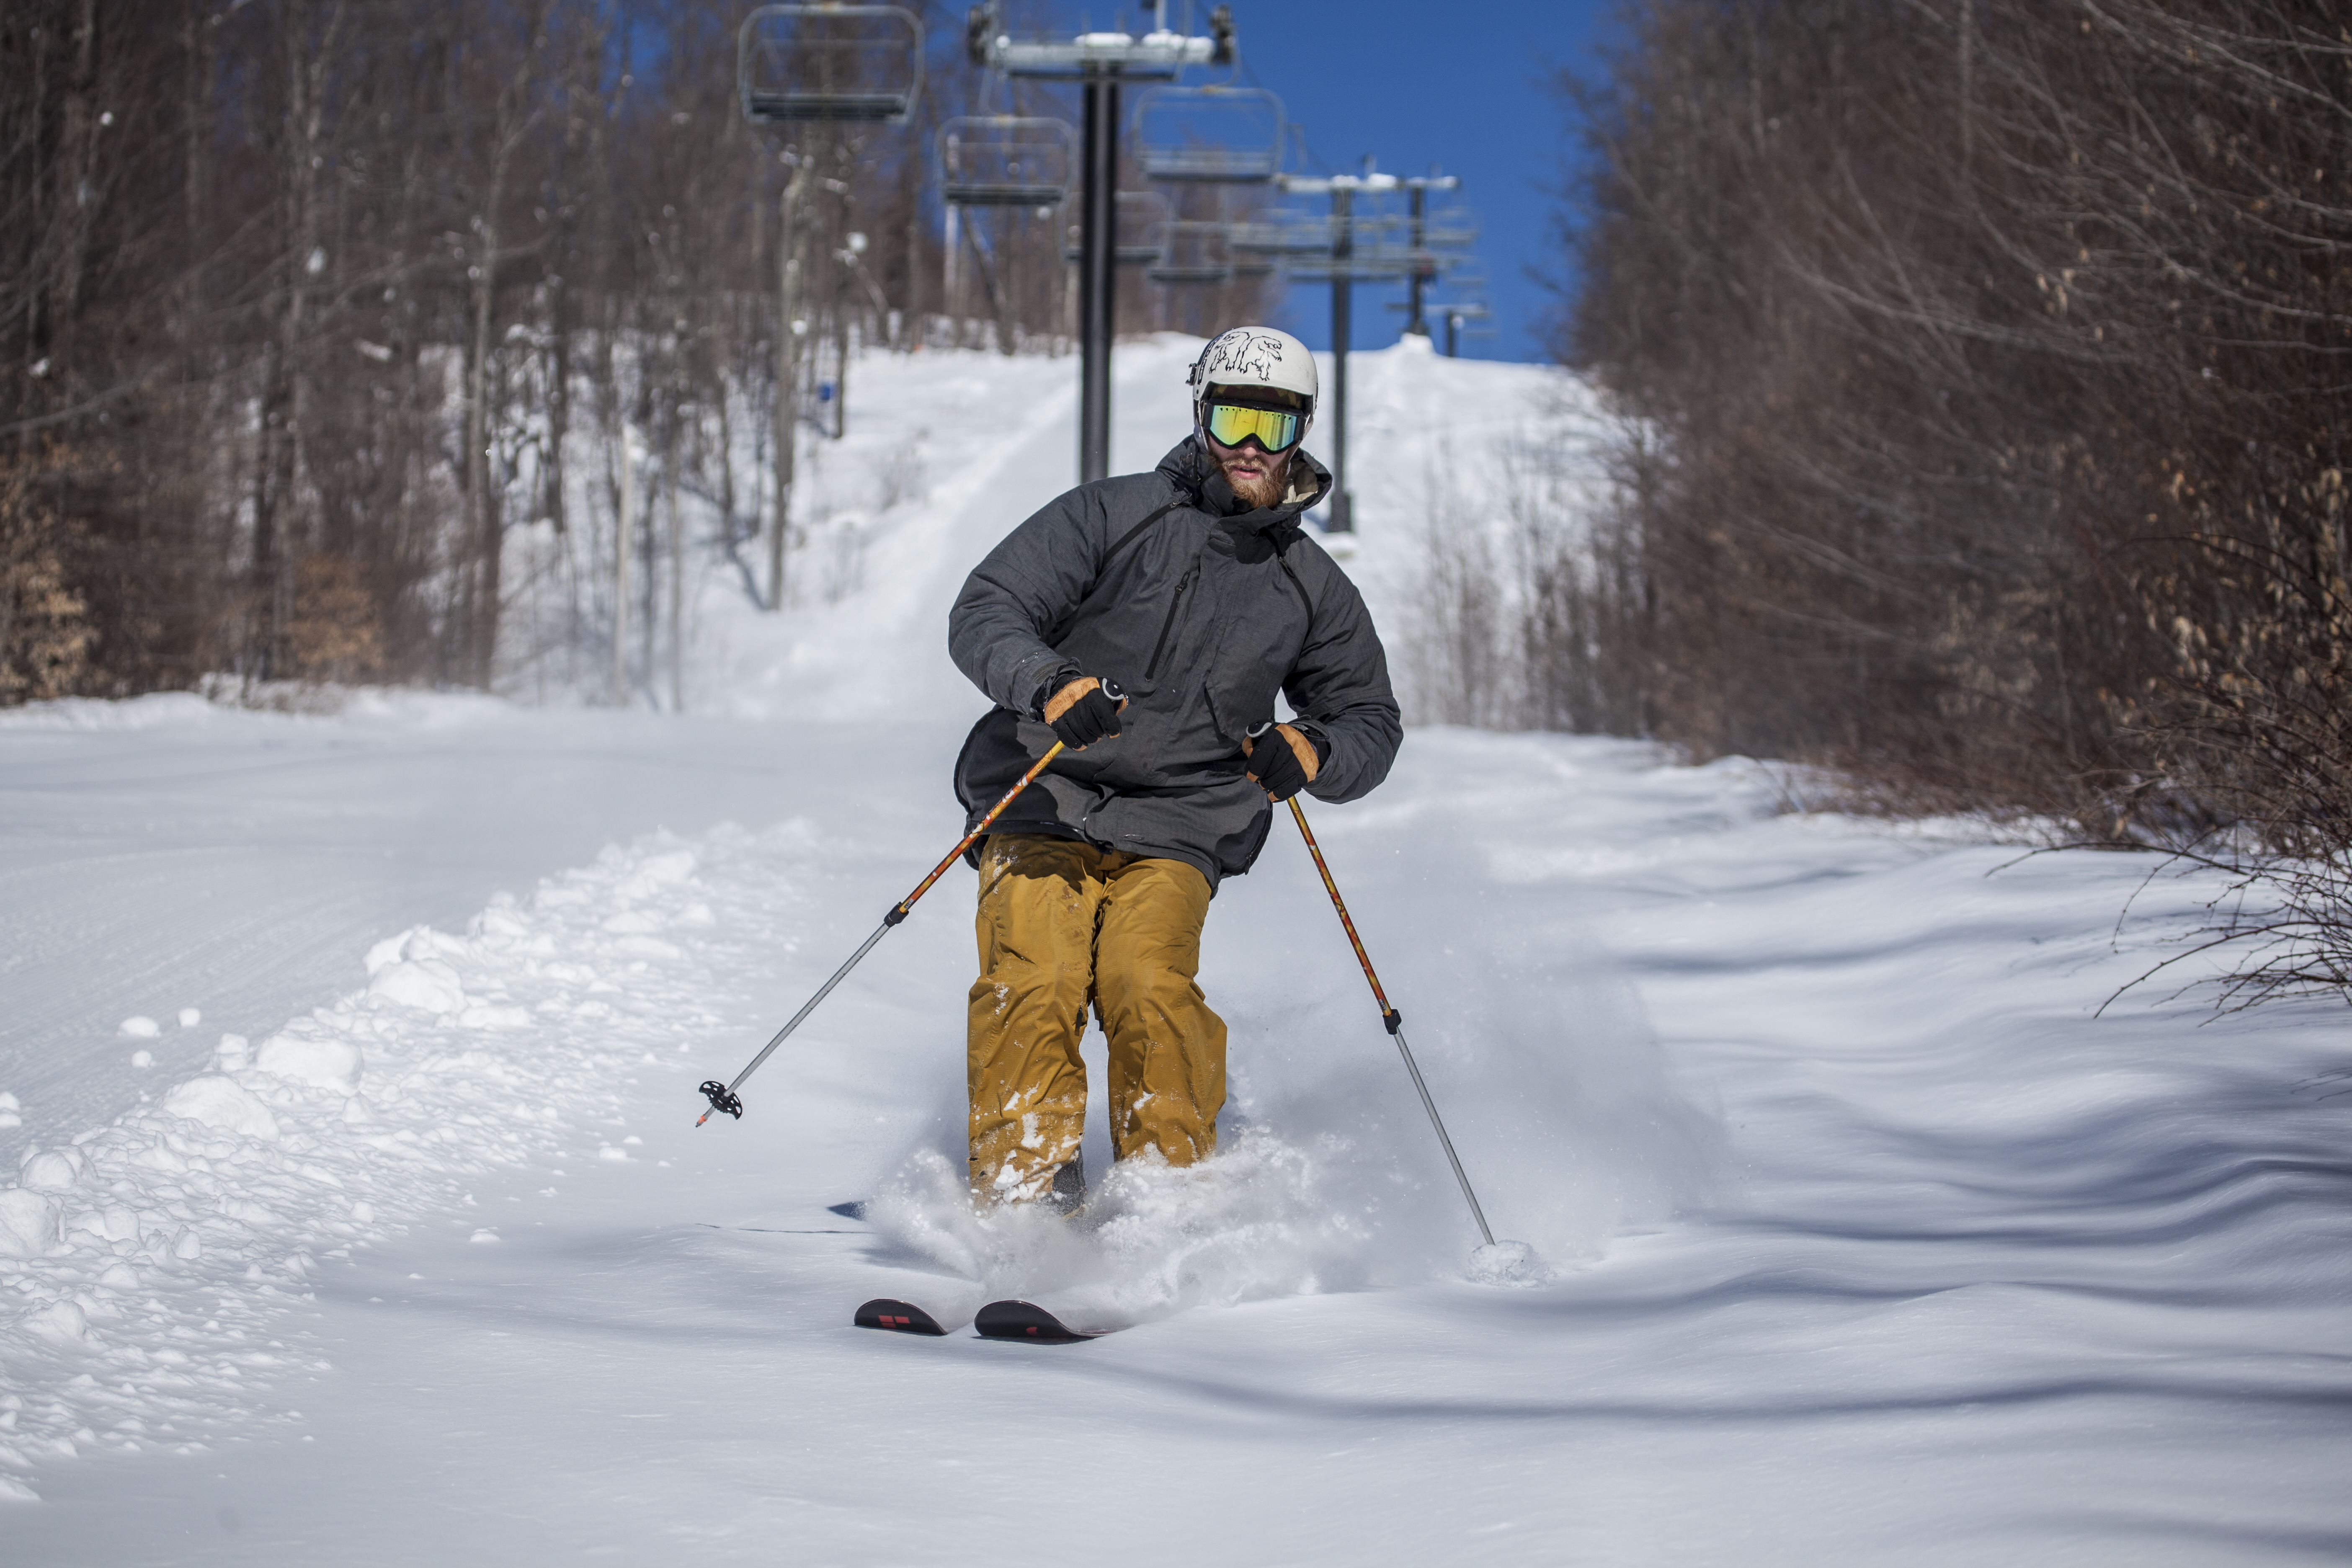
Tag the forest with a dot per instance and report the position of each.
(1985, 373)
(1980, 370)
(315, 310)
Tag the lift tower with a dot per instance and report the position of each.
(1424, 244)
(1101, 62)
(1343, 265)
(1351, 248)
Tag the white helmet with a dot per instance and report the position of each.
(1253, 356)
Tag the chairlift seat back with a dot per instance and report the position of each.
(1210, 135)
(1007, 161)
(799, 63)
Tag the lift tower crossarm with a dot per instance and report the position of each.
(1155, 56)
(1324, 184)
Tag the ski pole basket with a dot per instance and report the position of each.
(828, 61)
(1007, 161)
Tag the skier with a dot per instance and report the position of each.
(1147, 621)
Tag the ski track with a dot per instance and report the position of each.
(1867, 1237)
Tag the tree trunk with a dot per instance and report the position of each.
(483, 511)
(677, 568)
(78, 193)
(788, 372)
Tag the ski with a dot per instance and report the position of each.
(1024, 1321)
(897, 1318)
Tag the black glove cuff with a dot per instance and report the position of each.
(1053, 683)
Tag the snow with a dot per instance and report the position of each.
(1860, 1232)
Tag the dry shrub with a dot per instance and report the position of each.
(336, 634)
(44, 632)
(1523, 610)
(1457, 661)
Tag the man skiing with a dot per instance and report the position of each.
(1148, 622)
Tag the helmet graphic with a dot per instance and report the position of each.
(1254, 357)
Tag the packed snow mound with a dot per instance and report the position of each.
(224, 1105)
(150, 1261)
(28, 1222)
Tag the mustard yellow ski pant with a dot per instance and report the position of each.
(1063, 924)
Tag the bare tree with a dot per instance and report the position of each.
(1994, 348)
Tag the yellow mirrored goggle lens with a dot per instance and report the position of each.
(1229, 425)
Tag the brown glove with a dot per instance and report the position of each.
(1283, 771)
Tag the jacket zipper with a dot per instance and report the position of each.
(1165, 626)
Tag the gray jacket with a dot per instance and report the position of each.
(1201, 609)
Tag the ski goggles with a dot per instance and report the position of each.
(1274, 430)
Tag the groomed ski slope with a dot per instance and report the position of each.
(1871, 1241)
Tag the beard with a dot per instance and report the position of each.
(1260, 490)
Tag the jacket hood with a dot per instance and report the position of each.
(1189, 466)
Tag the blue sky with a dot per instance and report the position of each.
(1462, 85)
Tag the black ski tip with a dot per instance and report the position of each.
(897, 1318)
(853, 1209)
(1025, 1321)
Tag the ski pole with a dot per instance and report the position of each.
(1391, 1017)
(722, 1096)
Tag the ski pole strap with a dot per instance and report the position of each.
(899, 910)
(1388, 1015)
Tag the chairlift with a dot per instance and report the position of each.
(1144, 218)
(828, 61)
(1463, 310)
(1280, 231)
(1450, 228)
(1367, 264)
(1195, 254)
(1209, 135)
(1456, 315)
(1007, 161)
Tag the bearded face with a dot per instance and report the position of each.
(1257, 479)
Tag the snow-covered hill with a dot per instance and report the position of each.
(1870, 1240)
